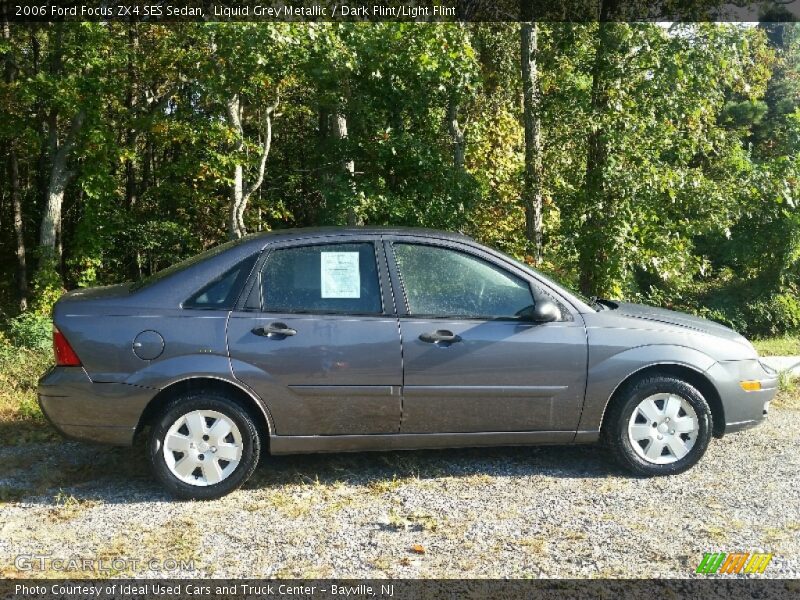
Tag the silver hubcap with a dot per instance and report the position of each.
(663, 428)
(203, 447)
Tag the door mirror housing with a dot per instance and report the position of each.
(544, 311)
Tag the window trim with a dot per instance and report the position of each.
(476, 253)
(380, 267)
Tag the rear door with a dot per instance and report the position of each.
(318, 340)
(470, 363)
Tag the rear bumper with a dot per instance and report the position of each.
(743, 409)
(80, 409)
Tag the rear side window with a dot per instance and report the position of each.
(331, 278)
(184, 264)
(222, 292)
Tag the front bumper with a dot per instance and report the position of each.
(80, 409)
(743, 409)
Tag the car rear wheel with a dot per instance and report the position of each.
(204, 446)
(658, 426)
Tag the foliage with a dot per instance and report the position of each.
(32, 331)
(765, 315)
(788, 345)
(47, 287)
(21, 420)
(670, 153)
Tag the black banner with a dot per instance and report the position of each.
(709, 589)
(165, 11)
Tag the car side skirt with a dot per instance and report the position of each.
(306, 444)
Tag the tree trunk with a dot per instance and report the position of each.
(19, 233)
(531, 97)
(594, 244)
(457, 135)
(236, 193)
(130, 102)
(456, 129)
(60, 177)
(13, 180)
(324, 118)
(240, 191)
(44, 144)
(339, 132)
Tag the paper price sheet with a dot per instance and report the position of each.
(339, 273)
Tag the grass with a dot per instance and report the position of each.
(788, 397)
(67, 507)
(178, 539)
(386, 485)
(21, 420)
(287, 504)
(416, 521)
(539, 546)
(787, 345)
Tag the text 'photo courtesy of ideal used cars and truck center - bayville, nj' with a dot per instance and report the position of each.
(399, 299)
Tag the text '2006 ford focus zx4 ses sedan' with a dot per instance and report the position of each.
(374, 339)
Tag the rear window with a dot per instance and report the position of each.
(184, 264)
(222, 292)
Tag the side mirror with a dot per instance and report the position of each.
(544, 311)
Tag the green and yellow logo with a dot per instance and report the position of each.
(734, 563)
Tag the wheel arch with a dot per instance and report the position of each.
(238, 393)
(693, 377)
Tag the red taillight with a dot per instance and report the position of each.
(65, 355)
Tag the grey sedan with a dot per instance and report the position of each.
(331, 340)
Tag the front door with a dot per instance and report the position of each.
(319, 342)
(471, 364)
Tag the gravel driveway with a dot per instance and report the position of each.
(512, 512)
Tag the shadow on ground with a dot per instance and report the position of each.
(35, 472)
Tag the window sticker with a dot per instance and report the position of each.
(339, 275)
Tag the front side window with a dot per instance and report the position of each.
(440, 282)
(331, 278)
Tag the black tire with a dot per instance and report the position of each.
(615, 425)
(213, 401)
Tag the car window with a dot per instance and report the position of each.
(222, 292)
(330, 278)
(185, 264)
(440, 282)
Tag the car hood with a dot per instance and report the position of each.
(671, 317)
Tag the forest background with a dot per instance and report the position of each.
(653, 162)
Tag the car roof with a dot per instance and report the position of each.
(267, 237)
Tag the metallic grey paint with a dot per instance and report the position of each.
(368, 382)
(502, 376)
(354, 364)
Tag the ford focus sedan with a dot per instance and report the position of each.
(332, 340)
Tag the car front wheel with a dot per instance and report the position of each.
(204, 446)
(658, 426)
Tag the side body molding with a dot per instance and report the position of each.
(608, 369)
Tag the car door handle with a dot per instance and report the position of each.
(441, 335)
(275, 330)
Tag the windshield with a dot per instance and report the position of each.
(184, 264)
